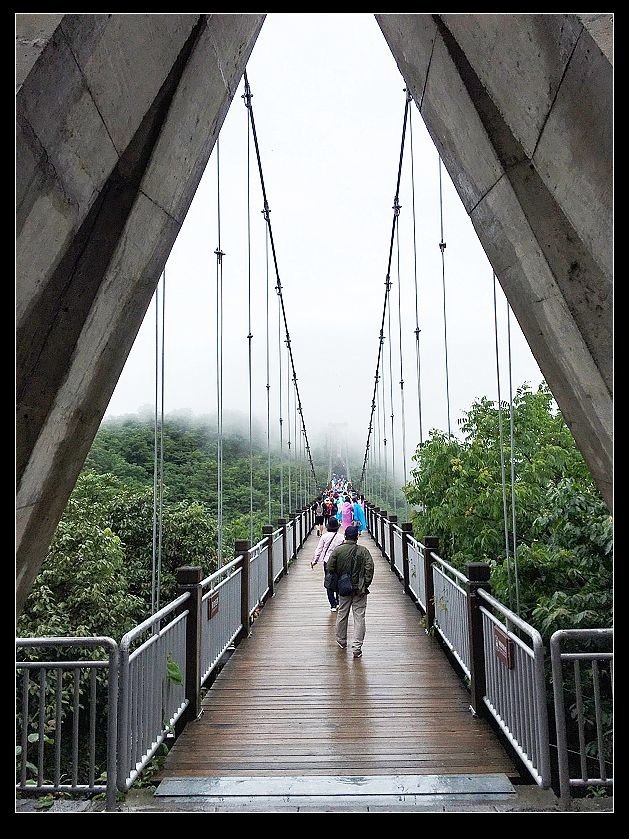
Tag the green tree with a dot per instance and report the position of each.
(563, 528)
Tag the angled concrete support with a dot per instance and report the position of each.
(116, 118)
(519, 107)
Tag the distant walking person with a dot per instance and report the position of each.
(330, 540)
(318, 511)
(355, 560)
(359, 516)
(347, 513)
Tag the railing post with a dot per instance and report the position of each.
(189, 580)
(477, 574)
(392, 521)
(267, 530)
(282, 524)
(293, 516)
(243, 546)
(383, 545)
(407, 528)
(431, 545)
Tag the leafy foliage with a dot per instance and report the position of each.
(563, 528)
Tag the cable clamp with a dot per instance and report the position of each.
(266, 212)
(442, 246)
(396, 207)
(219, 255)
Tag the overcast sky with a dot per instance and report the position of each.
(328, 103)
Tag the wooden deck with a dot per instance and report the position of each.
(290, 703)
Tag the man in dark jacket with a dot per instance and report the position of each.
(355, 560)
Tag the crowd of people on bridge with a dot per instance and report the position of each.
(348, 567)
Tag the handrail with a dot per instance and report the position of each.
(450, 568)
(206, 582)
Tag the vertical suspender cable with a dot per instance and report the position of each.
(378, 401)
(515, 549)
(502, 453)
(387, 287)
(442, 247)
(279, 352)
(155, 455)
(249, 335)
(290, 501)
(161, 453)
(417, 329)
(219, 364)
(393, 492)
(384, 430)
(268, 378)
(277, 274)
(399, 314)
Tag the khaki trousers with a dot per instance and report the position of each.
(358, 604)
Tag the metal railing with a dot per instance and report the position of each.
(416, 571)
(258, 574)
(451, 616)
(397, 549)
(290, 526)
(590, 661)
(48, 732)
(278, 557)
(515, 685)
(387, 540)
(152, 688)
(220, 614)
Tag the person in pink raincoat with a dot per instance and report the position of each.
(347, 513)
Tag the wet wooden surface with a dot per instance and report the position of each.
(289, 702)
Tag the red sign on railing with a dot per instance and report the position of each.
(503, 647)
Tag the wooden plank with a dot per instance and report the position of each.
(289, 702)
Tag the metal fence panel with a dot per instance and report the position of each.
(220, 620)
(278, 556)
(258, 575)
(397, 550)
(57, 736)
(516, 695)
(416, 571)
(451, 618)
(387, 540)
(590, 684)
(152, 688)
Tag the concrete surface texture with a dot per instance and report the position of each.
(117, 116)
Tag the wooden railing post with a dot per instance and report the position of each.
(431, 544)
(392, 521)
(267, 530)
(407, 528)
(477, 574)
(282, 523)
(189, 580)
(243, 546)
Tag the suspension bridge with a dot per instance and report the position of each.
(449, 704)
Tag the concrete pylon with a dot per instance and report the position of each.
(520, 109)
(116, 118)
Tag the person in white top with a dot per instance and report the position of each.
(328, 541)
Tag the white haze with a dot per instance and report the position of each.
(328, 105)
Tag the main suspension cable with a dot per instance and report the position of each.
(386, 293)
(248, 97)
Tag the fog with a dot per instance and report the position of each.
(328, 104)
